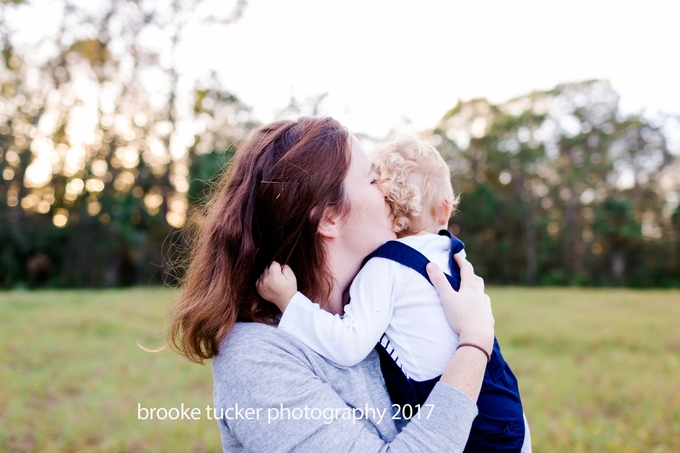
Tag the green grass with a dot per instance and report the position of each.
(72, 375)
(599, 371)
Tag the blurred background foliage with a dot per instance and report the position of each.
(105, 149)
(560, 188)
(100, 137)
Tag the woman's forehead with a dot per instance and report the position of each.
(360, 160)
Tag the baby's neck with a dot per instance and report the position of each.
(427, 223)
(433, 229)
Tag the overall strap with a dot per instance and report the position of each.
(456, 246)
(412, 258)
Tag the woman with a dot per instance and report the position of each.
(304, 193)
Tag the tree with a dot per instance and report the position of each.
(618, 232)
(97, 137)
(538, 173)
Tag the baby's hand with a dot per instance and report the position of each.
(277, 285)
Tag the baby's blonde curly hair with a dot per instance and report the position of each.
(413, 177)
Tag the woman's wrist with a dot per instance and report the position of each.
(486, 353)
(465, 371)
(484, 341)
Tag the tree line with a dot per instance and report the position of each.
(104, 152)
(559, 187)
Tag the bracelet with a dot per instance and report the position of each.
(488, 356)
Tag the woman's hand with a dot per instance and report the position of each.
(468, 310)
(277, 284)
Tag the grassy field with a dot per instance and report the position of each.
(599, 371)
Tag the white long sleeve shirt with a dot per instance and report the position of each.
(385, 297)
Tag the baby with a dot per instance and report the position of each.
(394, 305)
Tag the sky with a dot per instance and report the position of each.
(385, 62)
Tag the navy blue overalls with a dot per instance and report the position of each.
(499, 425)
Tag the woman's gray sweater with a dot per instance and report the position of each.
(274, 394)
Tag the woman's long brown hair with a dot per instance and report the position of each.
(267, 207)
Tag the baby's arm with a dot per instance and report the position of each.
(277, 285)
(344, 340)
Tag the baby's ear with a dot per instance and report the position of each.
(444, 212)
(329, 224)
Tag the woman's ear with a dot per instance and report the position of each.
(329, 226)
